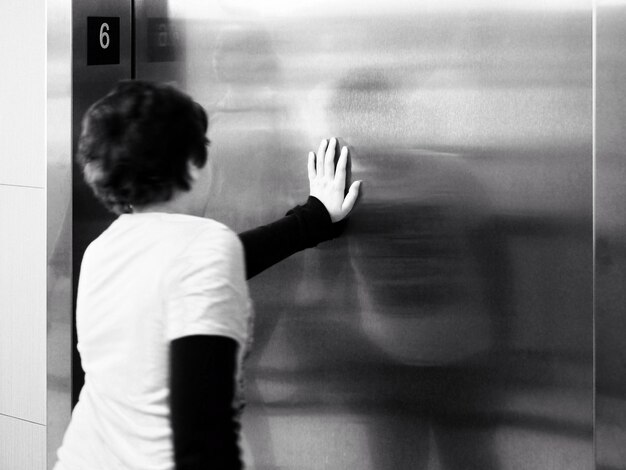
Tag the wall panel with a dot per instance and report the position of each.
(23, 235)
(22, 445)
(22, 303)
(23, 93)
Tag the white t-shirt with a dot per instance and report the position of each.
(148, 279)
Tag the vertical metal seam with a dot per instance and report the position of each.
(594, 41)
(132, 40)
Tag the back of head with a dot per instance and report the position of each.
(137, 141)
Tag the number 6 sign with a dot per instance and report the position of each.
(103, 40)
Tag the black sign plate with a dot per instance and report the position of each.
(103, 40)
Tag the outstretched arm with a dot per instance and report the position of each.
(307, 225)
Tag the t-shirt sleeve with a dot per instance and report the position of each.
(206, 291)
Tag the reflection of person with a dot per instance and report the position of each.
(249, 129)
(420, 283)
(163, 309)
(425, 263)
(254, 142)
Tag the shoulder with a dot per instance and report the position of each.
(207, 248)
(205, 285)
(176, 232)
(183, 232)
(210, 236)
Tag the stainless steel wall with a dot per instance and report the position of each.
(452, 326)
(59, 222)
(610, 265)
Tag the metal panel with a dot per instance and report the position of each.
(159, 42)
(451, 327)
(22, 445)
(89, 83)
(22, 303)
(59, 221)
(610, 267)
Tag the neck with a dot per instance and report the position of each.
(180, 203)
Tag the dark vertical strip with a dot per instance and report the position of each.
(133, 71)
(594, 189)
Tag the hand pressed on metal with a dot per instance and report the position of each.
(328, 183)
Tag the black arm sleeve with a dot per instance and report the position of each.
(202, 389)
(302, 227)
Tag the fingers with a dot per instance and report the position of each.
(320, 157)
(328, 183)
(351, 197)
(340, 171)
(311, 166)
(325, 160)
(329, 160)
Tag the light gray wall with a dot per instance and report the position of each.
(23, 235)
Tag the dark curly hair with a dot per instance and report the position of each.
(136, 142)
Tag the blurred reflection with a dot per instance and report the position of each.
(248, 144)
(412, 243)
(450, 328)
(425, 262)
(257, 172)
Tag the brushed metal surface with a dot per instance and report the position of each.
(22, 303)
(23, 444)
(59, 224)
(610, 265)
(452, 325)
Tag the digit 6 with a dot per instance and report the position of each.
(104, 35)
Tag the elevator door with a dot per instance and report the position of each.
(451, 326)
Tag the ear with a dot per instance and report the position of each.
(193, 170)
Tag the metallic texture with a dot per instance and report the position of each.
(610, 257)
(451, 326)
(89, 83)
(59, 223)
